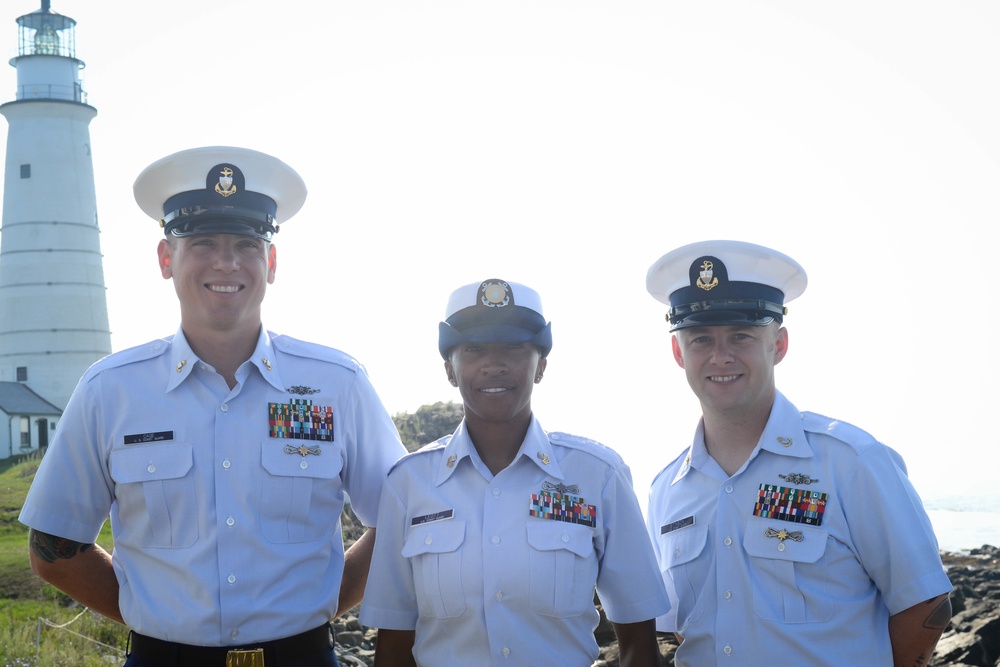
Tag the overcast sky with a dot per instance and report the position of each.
(568, 145)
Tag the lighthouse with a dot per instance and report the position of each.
(53, 306)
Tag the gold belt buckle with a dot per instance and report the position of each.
(245, 658)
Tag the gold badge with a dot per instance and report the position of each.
(706, 279)
(494, 294)
(784, 442)
(225, 186)
(544, 458)
(181, 365)
(451, 461)
(302, 450)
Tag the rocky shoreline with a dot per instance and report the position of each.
(972, 639)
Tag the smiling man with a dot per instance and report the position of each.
(223, 453)
(782, 536)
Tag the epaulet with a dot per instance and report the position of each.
(839, 430)
(603, 452)
(132, 355)
(671, 465)
(429, 448)
(307, 350)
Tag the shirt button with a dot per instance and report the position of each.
(231, 578)
(151, 468)
(728, 541)
(428, 539)
(303, 465)
(565, 537)
(496, 492)
(224, 407)
(505, 651)
(230, 521)
(226, 464)
(496, 539)
(234, 633)
(498, 596)
(728, 595)
(677, 553)
(727, 649)
(729, 488)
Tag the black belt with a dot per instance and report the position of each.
(276, 652)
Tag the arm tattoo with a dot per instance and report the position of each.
(940, 616)
(51, 548)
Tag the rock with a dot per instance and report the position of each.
(972, 639)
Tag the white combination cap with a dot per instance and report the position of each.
(220, 190)
(494, 311)
(725, 282)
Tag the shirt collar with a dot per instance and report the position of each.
(782, 435)
(183, 360)
(535, 448)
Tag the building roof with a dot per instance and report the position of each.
(17, 399)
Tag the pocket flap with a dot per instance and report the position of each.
(434, 538)
(300, 459)
(803, 544)
(145, 463)
(683, 545)
(548, 535)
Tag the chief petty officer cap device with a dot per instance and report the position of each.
(220, 190)
(725, 282)
(494, 311)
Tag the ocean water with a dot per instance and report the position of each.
(963, 522)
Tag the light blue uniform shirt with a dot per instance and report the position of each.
(797, 559)
(501, 570)
(225, 504)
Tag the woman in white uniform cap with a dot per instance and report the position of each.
(491, 540)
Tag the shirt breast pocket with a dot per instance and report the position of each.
(435, 554)
(301, 495)
(788, 583)
(562, 568)
(155, 492)
(684, 567)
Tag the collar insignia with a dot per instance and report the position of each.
(544, 458)
(784, 442)
(451, 461)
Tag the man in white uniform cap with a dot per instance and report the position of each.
(222, 453)
(783, 537)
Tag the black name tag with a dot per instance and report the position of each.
(677, 525)
(429, 518)
(139, 438)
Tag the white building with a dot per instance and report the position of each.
(53, 305)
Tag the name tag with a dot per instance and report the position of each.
(430, 518)
(677, 525)
(139, 438)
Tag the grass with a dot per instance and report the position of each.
(87, 640)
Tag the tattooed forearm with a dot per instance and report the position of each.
(939, 618)
(51, 548)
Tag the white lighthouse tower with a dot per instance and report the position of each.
(53, 306)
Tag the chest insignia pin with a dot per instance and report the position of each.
(302, 450)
